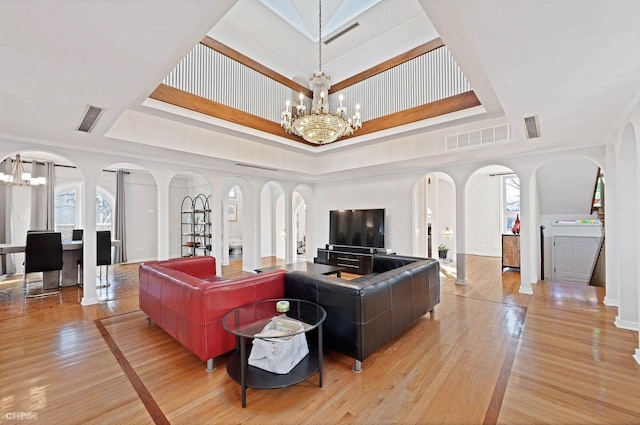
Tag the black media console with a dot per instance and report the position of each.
(354, 259)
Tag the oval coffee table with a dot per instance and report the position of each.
(248, 320)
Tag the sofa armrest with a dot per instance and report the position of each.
(202, 267)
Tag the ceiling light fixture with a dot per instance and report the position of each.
(18, 177)
(321, 126)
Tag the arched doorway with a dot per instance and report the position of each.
(272, 222)
(434, 216)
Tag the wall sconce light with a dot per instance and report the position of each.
(447, 233)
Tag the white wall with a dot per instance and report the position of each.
(20, 220)
(141, 216)
(483, 214)
(393, 193)
(566, 185)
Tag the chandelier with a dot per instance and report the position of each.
(18, 177)
(320, 126)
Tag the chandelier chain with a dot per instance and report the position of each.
(320, 35)
(319, 126)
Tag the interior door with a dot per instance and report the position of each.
(573, 258)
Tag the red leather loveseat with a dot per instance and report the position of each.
(185, 298)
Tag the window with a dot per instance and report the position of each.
(511, 201)
(103, 212)
(67, 209)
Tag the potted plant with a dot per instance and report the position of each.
(442, 251)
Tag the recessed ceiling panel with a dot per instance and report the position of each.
(335, 14)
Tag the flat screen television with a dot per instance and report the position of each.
(357, 228)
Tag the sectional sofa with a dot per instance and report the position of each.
(185, 298)
(365, 313)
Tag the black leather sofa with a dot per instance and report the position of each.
(365, 313)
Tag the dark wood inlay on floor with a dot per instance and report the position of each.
(491, 418)
(145, 396)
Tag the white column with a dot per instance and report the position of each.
(216, 222)
(89, 247)
(527, 236)
(289, 226)
(459, 232)
(162, 181)
(250, 229)
(627, 208)
(420, 225)
(612, 284)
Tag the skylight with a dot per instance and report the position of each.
(335, 13)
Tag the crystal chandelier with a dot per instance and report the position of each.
(321, 126)
(18, 177)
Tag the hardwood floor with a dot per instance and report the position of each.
(486, 355)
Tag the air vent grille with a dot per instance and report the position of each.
(532, 127)
(341, 33)
(475, 138)
(90, 117)
(257, 166)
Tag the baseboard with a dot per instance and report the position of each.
(140, 260)
(611, 302)
(625, 324)
(526, 291)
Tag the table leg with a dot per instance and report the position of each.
(320, 354)
(339, 274)
(51, 280)
(243, 367)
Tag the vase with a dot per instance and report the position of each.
(516, 225)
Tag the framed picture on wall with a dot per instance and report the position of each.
(233, 212)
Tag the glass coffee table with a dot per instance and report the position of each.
(247, 321)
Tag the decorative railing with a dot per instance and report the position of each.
(427, 75)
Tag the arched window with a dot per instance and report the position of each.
(68, 201)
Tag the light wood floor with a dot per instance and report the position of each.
(487, 355)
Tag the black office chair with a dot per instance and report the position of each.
(103, 244)
(43, 253)
(77, 236)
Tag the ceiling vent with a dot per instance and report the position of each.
(257, 166)
(90, 117)
(475, 138)
(532, 127)
(341, 33)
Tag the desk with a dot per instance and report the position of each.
(71, 253)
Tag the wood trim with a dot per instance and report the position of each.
(256, 66)
(145, 396)
(440, 107)
(388, 64)
(495, 404)
(195, 103)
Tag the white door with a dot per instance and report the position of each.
(573, 258)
